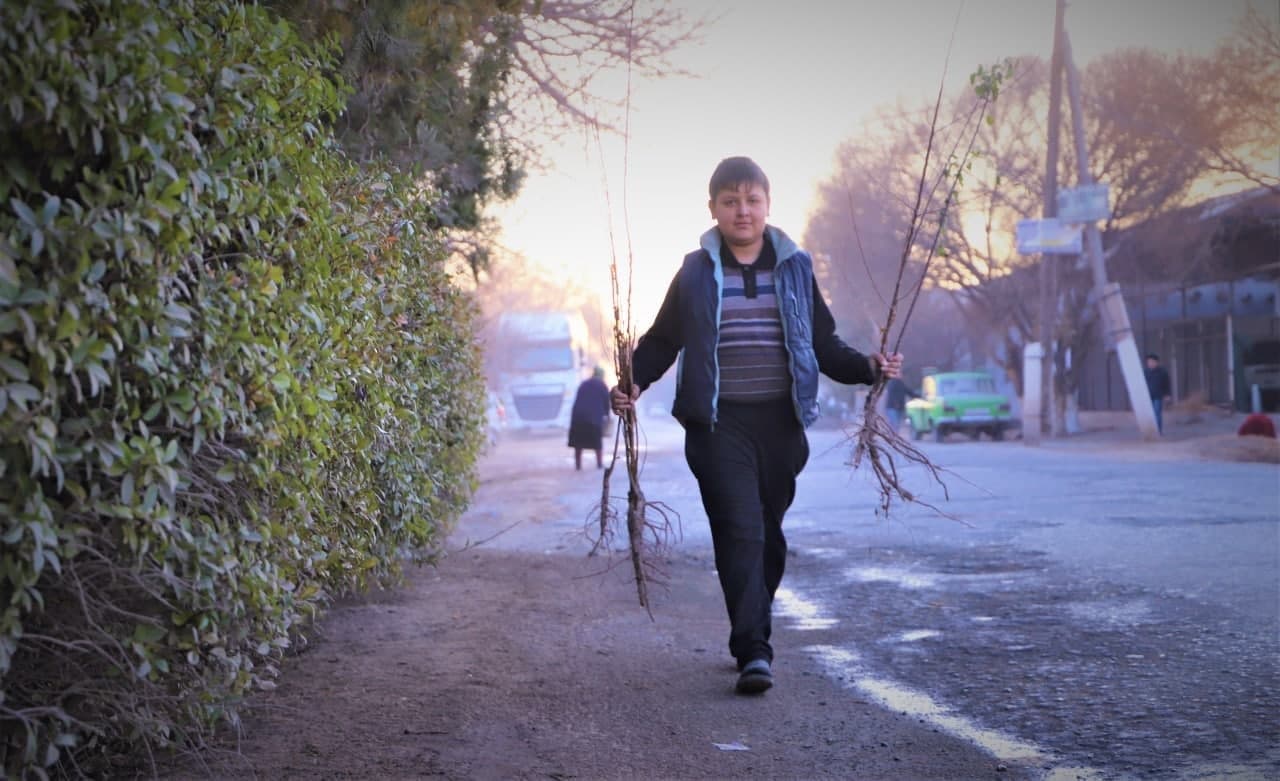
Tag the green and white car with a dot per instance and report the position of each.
(960, 401)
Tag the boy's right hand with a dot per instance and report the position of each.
(619, 400)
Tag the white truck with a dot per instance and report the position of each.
(541, 358)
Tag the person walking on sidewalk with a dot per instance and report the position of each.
(744, 317)
(1158, 386)
(587, 419)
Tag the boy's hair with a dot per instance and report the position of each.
(735, 171)
(1153, 357)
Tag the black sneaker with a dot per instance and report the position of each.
(756, 677)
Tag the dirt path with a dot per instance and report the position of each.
(515, 665)
(507, 666)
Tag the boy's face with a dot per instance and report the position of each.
(741, 213)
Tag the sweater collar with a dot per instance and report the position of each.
(767, 260)
(783, 246)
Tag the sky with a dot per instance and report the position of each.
(786, 83)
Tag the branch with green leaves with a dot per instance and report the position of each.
(876, 442)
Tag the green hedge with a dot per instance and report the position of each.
(235, 378)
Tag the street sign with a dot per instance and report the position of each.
(1050, 236)
(1090, 203)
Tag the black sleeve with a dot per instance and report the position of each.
(658, 347)
(836, 359)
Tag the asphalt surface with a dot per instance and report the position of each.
(1090, 612)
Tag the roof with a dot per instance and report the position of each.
(1225, 238)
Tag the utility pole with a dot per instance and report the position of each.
(1115, 318)
(1048, 266)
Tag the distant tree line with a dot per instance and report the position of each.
(1158, 125)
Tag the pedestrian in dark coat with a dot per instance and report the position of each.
(1158, 386)
(586, 424)
(896, 393)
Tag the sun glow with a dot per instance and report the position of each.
(791, 114)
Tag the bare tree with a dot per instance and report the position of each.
(1158, 125)
(982, 268)
(1139, 105)
(1144, 110)
(855, 233)
(944, 155)
(1238, 126)
(561, 49)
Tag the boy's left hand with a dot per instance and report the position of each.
(890, 365)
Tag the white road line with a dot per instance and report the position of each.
(845, 664)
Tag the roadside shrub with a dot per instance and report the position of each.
(235, 377)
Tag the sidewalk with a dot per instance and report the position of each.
(1200, 435)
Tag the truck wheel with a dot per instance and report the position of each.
(997, 433)
(939, 434)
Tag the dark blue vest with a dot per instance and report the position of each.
(701, 281)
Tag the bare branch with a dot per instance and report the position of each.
(563, 47)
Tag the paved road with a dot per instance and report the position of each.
(1102, 615)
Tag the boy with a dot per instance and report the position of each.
(751, 330)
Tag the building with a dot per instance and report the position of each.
(1202, 285)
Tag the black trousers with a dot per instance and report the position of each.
(746, 467)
